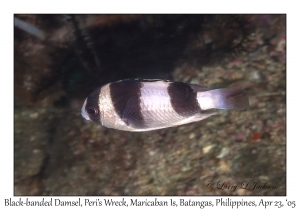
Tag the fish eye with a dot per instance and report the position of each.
(92, 112)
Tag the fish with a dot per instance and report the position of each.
(139, 105)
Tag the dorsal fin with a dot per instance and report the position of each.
(144, 80)
(199, 88)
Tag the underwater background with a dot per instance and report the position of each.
(60, 59)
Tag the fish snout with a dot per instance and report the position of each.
(83, 113)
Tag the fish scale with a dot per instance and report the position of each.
(150, 104)
(156, 105)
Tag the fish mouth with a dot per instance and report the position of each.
(83, 113)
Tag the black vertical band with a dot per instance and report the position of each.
(183, 99)
(126, 99)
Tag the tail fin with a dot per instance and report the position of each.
(225, 98)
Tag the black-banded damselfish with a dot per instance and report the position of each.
(150, 104)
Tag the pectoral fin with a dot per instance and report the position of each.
(131, 114)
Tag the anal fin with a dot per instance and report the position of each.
(198, 117)
(203, 116)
